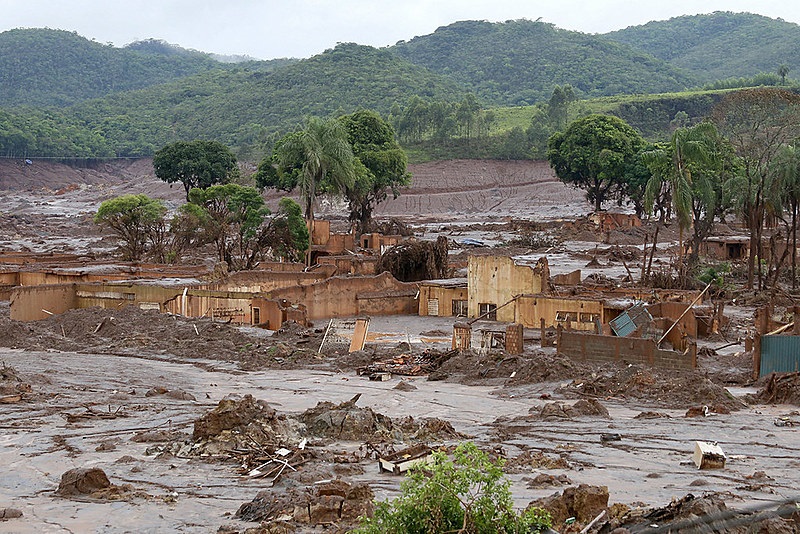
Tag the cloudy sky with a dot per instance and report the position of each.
(266, 29)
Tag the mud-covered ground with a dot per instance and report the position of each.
(201, 426)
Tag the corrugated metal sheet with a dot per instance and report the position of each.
(779, 354)
(628, 321)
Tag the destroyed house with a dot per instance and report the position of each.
(444, 298)
(725, 247)
(39, 302)
(495, 282)
(573, 312)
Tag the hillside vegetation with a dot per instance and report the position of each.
(470, 89)
(519, 62)
(718, 46)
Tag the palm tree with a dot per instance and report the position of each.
(671, 167)
(783, 70)
(326, 160)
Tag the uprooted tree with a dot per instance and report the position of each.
(413, 261)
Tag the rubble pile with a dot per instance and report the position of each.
(12, 388)
(93, 483)
(780, 389)
(409, 364)
(583, 502)
(678, 390)
(336, 503)
(130, 330)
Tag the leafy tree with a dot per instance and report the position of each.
(381, 165)
(196, 164)
(467, 494)
(757, 122)
(287, 234)
(783, 70)
(235, 215)
(593, 154)
(319, 158)
(785, 169)
(133, 219)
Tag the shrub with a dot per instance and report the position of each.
(467, 494)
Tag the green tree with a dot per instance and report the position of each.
(134, 219)
(467, 494)
(319, 158)
(287, 234)
(382, 164)
(757, 122)
(196, 164)
(593, 154)
(786, 174)
(783, 71)
(234, 219)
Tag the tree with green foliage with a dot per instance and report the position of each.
(785, 170)
(693, 168)
(783, 71)
(235, 215)
(757, 122)
(287, 234)
(467, 494)
(196, 164)
(133, 219)
(381, 165)
(316, 159)
(593, 154)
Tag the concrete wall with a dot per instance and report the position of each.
(673, 310)
(599, 348)
(497, 279)
(444, 297)
(531, 309)
(348, 296)
(264, 281)
(350, 264)
(29, 303)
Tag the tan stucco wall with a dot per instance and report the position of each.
(497, 279)
(532, 308)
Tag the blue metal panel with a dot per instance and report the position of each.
(628, 321)
(779, 354)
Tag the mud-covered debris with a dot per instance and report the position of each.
(546, 480)
(12, 388)
(583, 502)
(530, 461)
(427, 429)
(82, 481)
(334, 502)
(781, 389)
(346, 421)
(405, 385)
(177, 394)
(583, 407)
(231, 414)
(409, 364)
(9, 513)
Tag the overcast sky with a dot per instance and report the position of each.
(266, 29)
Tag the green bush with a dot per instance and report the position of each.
(467, 494)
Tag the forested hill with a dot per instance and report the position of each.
(720, 45)
(44, 67)
(519, 62)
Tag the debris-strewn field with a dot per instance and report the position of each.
(128, 420)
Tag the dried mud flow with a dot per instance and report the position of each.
(133, 421)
